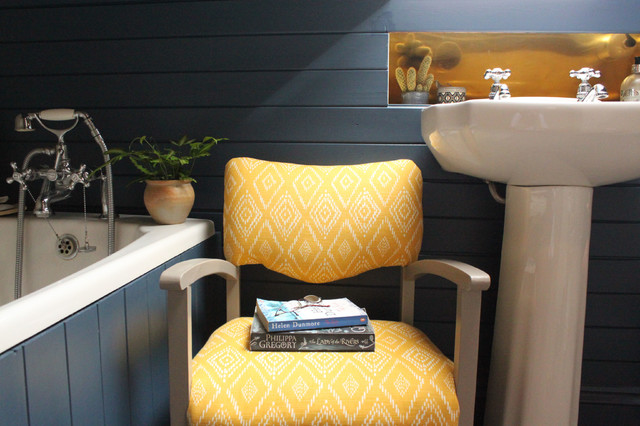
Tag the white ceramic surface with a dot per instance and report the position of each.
(536, 141)
(539, 328)
(550, 152)
(141, 245)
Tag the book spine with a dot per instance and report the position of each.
(312, 342)
(317, 323)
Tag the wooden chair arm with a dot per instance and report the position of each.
(462, 274)
(177, 280)
(470, 282)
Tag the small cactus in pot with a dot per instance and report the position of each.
(415, 85)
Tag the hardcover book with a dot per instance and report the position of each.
(358, 338)
(304, 315)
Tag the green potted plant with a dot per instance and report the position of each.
(168, 195)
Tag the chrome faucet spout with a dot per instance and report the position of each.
(594, 94)
(44, 201)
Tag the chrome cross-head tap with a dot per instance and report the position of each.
(586, 92)
(498, 90)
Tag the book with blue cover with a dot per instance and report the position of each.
(309, 313)
(355, 338)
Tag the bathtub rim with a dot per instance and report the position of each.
(24, 318)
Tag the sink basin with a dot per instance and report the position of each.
(550, 152)
(537, 141)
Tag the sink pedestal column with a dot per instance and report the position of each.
(539, 328)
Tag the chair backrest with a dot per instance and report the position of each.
(322, 223)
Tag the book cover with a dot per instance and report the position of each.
(359, 338)
(279, 315)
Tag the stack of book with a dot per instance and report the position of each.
(311, 324)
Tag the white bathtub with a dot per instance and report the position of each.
(54, 288)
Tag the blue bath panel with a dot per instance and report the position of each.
(13, 404)
(46, 363)
(85, 378)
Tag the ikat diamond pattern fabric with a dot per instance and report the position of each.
(232, 385)
(322, 223)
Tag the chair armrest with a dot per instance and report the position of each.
(177, 280)
(465, 276)
(470, 282)
(183, 274)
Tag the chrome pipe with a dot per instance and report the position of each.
(17, 289)
(108, 209)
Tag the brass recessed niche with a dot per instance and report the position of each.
(539, 62)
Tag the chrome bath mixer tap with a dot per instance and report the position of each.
(60, 179)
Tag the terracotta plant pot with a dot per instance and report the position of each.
(169, 201)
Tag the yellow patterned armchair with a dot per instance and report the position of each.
(319, 224)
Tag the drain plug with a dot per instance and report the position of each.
(67, 246)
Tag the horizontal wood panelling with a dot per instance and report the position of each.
(614, 310)
(458, 200)
(176, 90)
(616, 396)
(261, 124)
(207, 54)
(291, 16)
(615, 240)
(611, 344)
(191, 19)
(614, 276)
(603, 413)
(620, 203)
(468, 237)
(623, 375)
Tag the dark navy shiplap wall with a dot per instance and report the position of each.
(306, 81)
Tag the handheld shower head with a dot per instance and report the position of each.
(23, 123)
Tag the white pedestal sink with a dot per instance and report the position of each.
(550, 152)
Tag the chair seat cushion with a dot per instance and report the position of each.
(406, 380)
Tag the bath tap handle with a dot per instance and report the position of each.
(16, 176)
(20, 177)
(79, 176)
